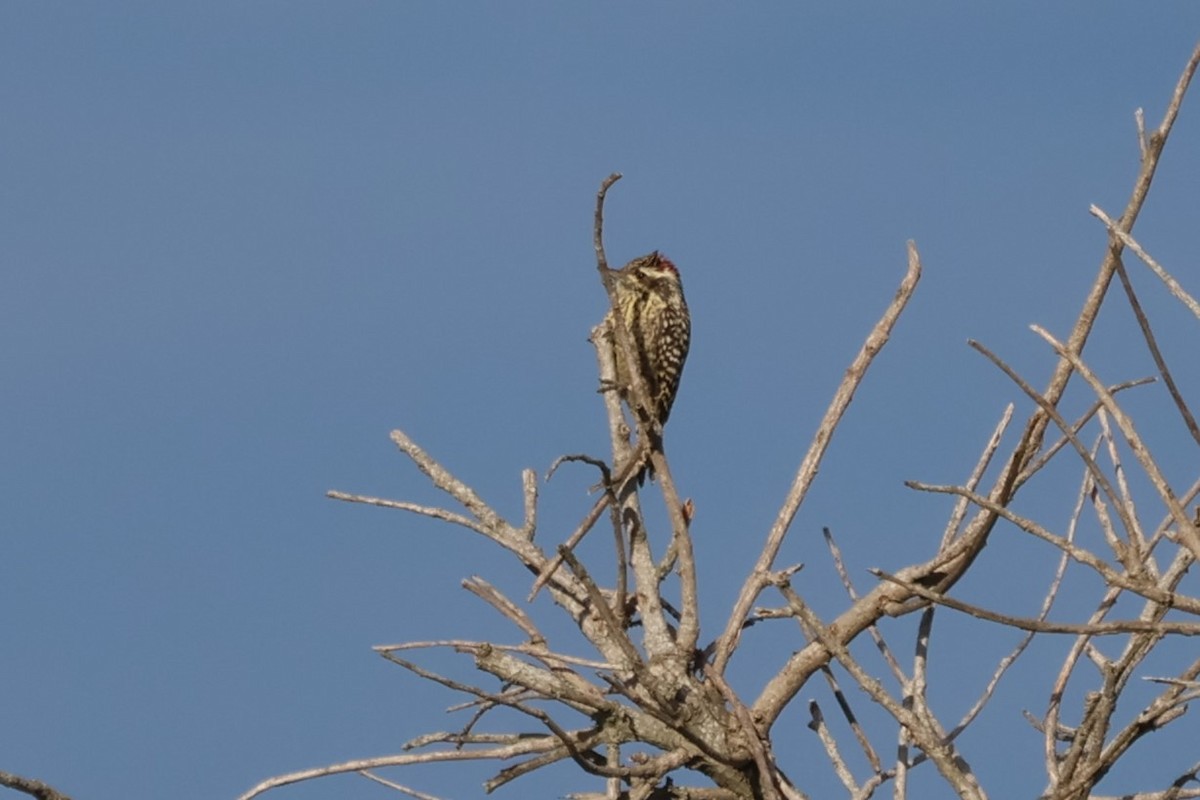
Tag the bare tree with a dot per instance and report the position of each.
(650, 711)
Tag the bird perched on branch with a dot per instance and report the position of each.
(650, 300)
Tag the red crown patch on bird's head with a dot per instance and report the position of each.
(662, 262)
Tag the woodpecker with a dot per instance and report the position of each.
(650, 301)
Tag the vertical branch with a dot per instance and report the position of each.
(658, 639)
(689, 618)
(598, 229)
(627, 513)
(689, 625)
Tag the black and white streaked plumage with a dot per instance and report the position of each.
(650, 300)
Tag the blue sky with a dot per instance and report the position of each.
(243, 241)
